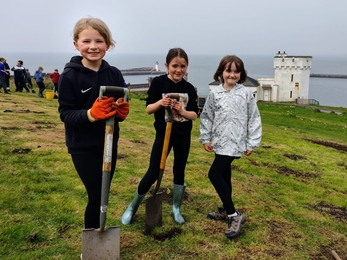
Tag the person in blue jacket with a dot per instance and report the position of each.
(84, 114)
(38, 76)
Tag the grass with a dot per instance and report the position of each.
(292, 189)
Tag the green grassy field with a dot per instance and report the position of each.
(292, 189)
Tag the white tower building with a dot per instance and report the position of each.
(291, 80)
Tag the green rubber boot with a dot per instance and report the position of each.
(177, 201)
(132, 208)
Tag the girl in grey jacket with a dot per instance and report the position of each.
(230, 126)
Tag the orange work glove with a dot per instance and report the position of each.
(122, 108)
(102, 109)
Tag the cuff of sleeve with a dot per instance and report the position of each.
(91, 119)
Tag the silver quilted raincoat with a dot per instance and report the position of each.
(231, 121)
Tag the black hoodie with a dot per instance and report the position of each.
(162, 85)
(78, 89)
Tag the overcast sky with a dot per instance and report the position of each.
(299, 27)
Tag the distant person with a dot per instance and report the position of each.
(19, 76)
(28, 80)
(3, 73)
(84, 114)
(38, 76)
(55, 79)
(230, 126)
(185, 111)
(8, 76)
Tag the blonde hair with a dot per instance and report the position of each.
(96, 24)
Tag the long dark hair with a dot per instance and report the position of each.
(226, 63)
(176, 52)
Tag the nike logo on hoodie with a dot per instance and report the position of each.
(85, 90)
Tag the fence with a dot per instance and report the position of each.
(302, 101)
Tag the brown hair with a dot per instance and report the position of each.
(96, 24)
(226, 63)
(176, 52)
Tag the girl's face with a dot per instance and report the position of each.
(177, 68)
(231, 76)
(91, 45)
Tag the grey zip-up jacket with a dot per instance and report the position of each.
(231, 121)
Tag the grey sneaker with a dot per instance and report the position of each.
(221, 214)
(234, 225)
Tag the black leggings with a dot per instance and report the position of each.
(181, 146)
(220, 177)
(89, 168)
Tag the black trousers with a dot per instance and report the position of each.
(181, 146)
(220, 177)
(41, 86)
(20, 84)
(89, 168)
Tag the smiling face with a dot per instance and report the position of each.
(177, 68)
(92, 47)
(230, 75)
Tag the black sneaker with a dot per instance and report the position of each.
(234, 225)
(221, 214)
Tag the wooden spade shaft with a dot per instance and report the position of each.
(163, 155)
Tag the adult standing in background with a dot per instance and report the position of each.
(55, 79)
(2, 74)
(19, 76)
(8, 76)
(38, 76)
(28, 81)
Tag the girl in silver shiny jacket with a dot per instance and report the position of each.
(230, 126)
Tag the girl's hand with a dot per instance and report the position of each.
(248, 152)
(166, 101)
(178, 107)
(208, 147)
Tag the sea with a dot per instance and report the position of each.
(327, 91)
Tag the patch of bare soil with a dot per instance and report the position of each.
(343, 165)
(215, 227)
(43, 125)
(336, 146)
(325, 253)
(279, 234)
(122, 156)
(253, 162)
(266, 146)
(11, 128)
(167, 235)
(137, 141)
(28, 111)
(21, 150)
(294, 157)
(296, 173)
(338, 213)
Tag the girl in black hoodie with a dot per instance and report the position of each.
(84, 115)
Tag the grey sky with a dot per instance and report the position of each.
(299, 27)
